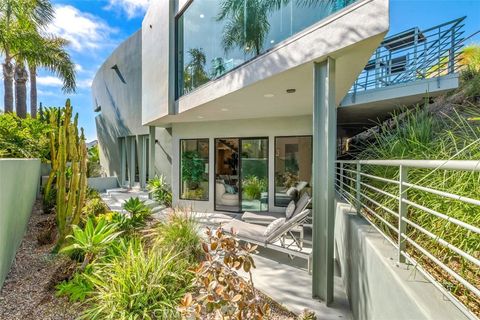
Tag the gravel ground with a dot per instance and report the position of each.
(27, 292)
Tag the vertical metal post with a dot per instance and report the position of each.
(341, 177)
(324, 156)
(358, 188)
(415, 53)
(451, 58)
(402, 211)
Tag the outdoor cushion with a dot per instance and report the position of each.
(302, 203)
(290, 210)
(246, 230)
(273, 226)
(292, 192)
(261, 217)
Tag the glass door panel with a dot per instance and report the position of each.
(254, 174)
(227, 182)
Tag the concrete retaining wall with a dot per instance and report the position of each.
(19, 180)
(101, 184)
(377, 286)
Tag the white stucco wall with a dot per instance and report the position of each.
(271, 127)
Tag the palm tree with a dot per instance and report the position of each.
(247, 21)
(15, 17)
(247, 24)
(194, 74)
(49, 53)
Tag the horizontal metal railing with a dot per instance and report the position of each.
(414, 55)
(384, 201)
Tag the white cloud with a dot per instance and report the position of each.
(47, 93)
(83, 30)
(49, 81)
(132, 8)
(78, 67)
(84, 83)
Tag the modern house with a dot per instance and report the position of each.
(235, 102)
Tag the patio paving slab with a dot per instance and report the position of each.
(288, 282)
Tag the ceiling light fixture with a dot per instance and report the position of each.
(200, 117)
(202, 16)
(269, 95)
(224, 109)
(291, 90)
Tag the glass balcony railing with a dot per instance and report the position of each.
(216, 36)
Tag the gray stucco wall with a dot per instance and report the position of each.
(377, 286)
(19, 180)
(117, 89)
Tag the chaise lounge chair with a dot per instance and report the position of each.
(265, 218)
(275, 235)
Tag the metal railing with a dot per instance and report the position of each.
(432, 240)
(414, 55)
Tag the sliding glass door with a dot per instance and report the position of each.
(254, 174)
(227, 178)
(241, 174)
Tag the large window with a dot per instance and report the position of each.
(215, 36)
(194, 169)
(293, 168)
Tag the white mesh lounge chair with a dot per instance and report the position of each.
(265, 218)
(277, 238)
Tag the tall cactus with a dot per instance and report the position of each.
(68, 151)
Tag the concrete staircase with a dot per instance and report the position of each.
(115, 198)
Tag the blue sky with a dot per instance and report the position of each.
(96, 27)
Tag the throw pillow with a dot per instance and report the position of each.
(229, 189)
(292, 192)
(274, 225)
(290, 210)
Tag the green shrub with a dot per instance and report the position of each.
(23, 138)
(141, 284)
(253, 187)
(160, 190)
(180, 232)
(78, 288)
(92, 194)
(95, 207)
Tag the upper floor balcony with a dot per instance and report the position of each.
(215, 37)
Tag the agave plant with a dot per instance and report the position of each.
(136, 207)
(91, 240)
(160, 190)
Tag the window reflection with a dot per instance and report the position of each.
(213, 36)
(194, 169)
(293, 168)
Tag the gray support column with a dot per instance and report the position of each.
(151, 161)
(324, 156)
(142, 160)
(123, 163)
(132, 164)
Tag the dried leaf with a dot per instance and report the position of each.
(237, 298)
